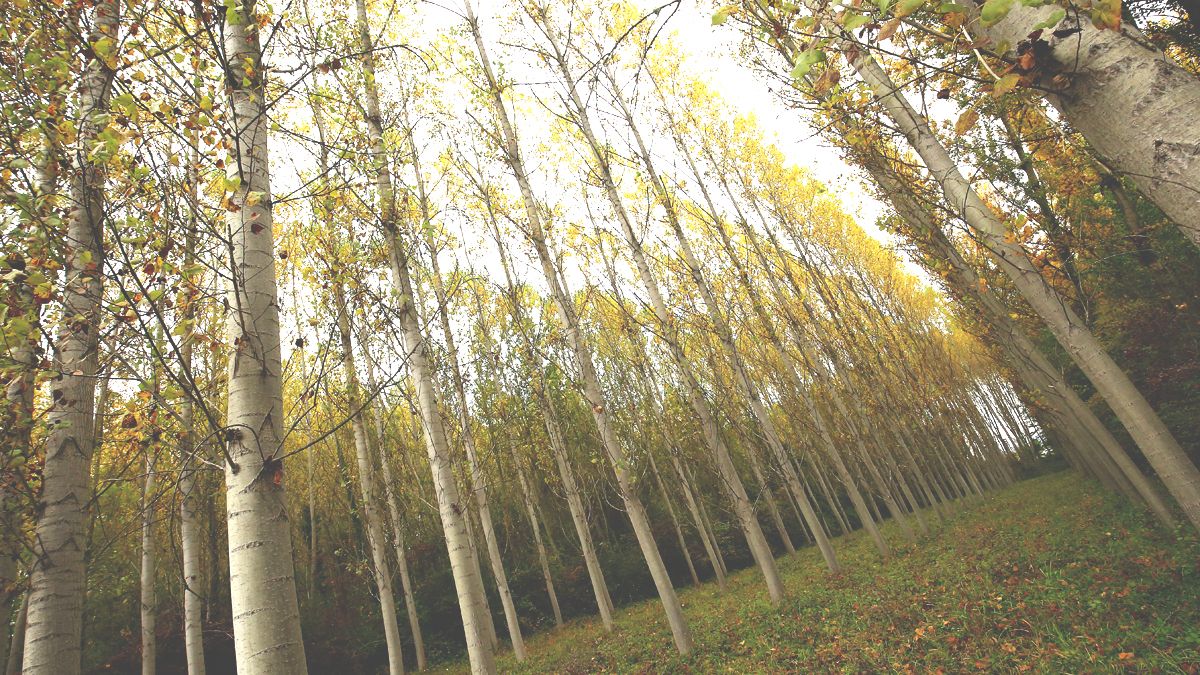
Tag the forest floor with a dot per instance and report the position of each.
(1050, 575)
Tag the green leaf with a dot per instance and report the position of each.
(994, 10)
(855, 21)
(805, 62)
(721, 15)
(104, 46)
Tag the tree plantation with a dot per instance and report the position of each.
(638, 336)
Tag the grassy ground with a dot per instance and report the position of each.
(1050, 575)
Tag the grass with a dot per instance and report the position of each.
(1050, 575)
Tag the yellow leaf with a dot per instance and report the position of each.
(966, 121)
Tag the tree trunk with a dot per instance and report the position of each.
(543, 559)
(583, 356)
(476, 480)
(56, 588)
(1160, 448)
(389, 489)
(376, 539)
(743, 508)
(1133, 104)
(266, 616)
(13, 663)
(149, 604)
(666, 497)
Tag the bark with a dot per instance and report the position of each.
(266, 617)
(1039, 373)
(668, 330)
(666, 497)
(543, 559)
(398, 546)
(376, 539)
(785, 355)
(148, 604)
(464, 566)
(55, 621)
(1156, 442)
(189, 516)
(13, 662)
(477, 481)
(549, 411)
(1133, 104)
(583, 357)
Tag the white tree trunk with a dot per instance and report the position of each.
(1134, 105)
(189, 516)
(266, 616)
(56, 587)
(376, 539)
(13, 662)
(1161, 449)
(477, 480)
(468, 585)
(543, 559)
(583, 356)
(149, 604)
(389, 483)
(730, 480)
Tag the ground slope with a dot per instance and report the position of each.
(1051, 575)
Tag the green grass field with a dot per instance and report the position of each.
(1051, 575)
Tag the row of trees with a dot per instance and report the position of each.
(527, 262)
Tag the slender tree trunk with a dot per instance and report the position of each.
(149, 568)
(476, 479)
(706, 536)
(769, 497)
(13, 662)
(1160, 448)
(583, 356)
(789, 362)
(666, 497)
(266, 616)
(55, 615)
(543, 559)
(389, 489)
(558, 447)
(376, 539)
(463, 563)
(189, 515)
(742, 506)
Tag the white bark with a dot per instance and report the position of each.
(148, 604)
(376, 539)
(1161, 449)
(543, 559)
(1134, 105)
(13, 662)
(468, 585)
(668, 331)
(266, 616)
(55, 613)
(583, 356)
(410, 602)
(189, 517)
(477, 480)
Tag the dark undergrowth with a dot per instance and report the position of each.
(1050, 575)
